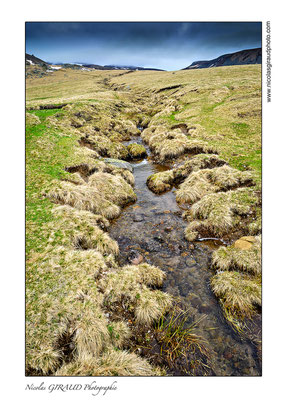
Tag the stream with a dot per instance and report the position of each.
(153, 227)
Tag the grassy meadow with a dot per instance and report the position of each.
(84, 311)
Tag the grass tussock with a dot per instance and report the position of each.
(197, 162)
(239, 294)
(112, 363)
(82, 197)
(75, 178)
(136, 151)
(160, 182)
(102, 194)
(80, 230)
(127, 175)
(91, 335)
(32, 119)
(236, 258)
(112, 188)
(69, 275)
(105, 147)
(163, 181)
(131, 284)
(203, 182)
(169, 144)
(119, 332)
(221, 213)
(151, 305)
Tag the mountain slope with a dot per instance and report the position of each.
(32, 60)
(250, 56)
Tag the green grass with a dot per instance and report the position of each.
(43, 114)
(42, 166)
(208, 108)
(240, 128)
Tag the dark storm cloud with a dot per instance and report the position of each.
(165, 45)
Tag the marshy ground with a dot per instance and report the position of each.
(128, 174)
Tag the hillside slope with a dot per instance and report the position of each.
(32, 60)
(243, 57)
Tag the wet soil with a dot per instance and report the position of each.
(153, 227)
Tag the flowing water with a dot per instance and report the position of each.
(153, 227)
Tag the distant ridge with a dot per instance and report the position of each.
(243, 57)
(32, 60)
(132, 68)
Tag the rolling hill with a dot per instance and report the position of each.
(251, 56)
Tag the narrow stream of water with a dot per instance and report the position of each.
(153, 227)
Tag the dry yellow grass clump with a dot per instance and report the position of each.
(169, 144)
(222, 213)
(83, 230)
(102, 194)
(61, 307)
(112, 188)
(112, 363)
(160, 182)
(206, 181)
(32, 119)
(136, 151)
(100, 127)
(240, 294)
(246, 259)
(163, 181)
(200, 161)
(130, 284)
(85, 170)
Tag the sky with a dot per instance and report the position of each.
(164, 45)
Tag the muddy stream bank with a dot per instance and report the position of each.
(154, 229)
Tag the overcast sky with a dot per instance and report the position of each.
(165, 45)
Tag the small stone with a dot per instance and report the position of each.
(138, 218)
(190, 262)
(135, 257)
(244, 243)
(137, 260)
(118, 163)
